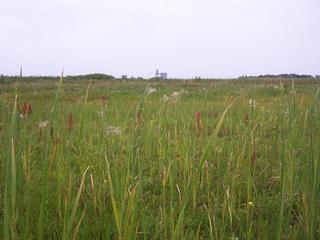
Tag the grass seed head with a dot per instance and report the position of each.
(26, 109)
(70, 122)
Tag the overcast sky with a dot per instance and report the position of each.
(186, 38)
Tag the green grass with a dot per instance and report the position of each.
(134, 166)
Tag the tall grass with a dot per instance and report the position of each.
(229, 161)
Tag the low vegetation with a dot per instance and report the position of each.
(160, 160)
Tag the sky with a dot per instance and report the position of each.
(185, 38)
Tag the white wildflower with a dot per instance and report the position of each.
(100, 113)
(112, 130)
(43, 124)
(166, 98)
(150, 90)
(252, 103)
(250, 204)
(175, 94)
(286, 111)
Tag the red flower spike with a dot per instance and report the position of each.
(26, 109)
(198, 121)
(70, 122)
(253, 157)
(103, 99)
(246, 119)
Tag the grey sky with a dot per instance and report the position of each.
(186, 38)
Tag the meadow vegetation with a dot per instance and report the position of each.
(160, 160)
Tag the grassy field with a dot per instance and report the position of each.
(160, 160)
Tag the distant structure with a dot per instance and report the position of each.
(157, 73)
(163, 75)
(21, 71)
(124, 77)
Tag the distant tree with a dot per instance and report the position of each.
(94, 76)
